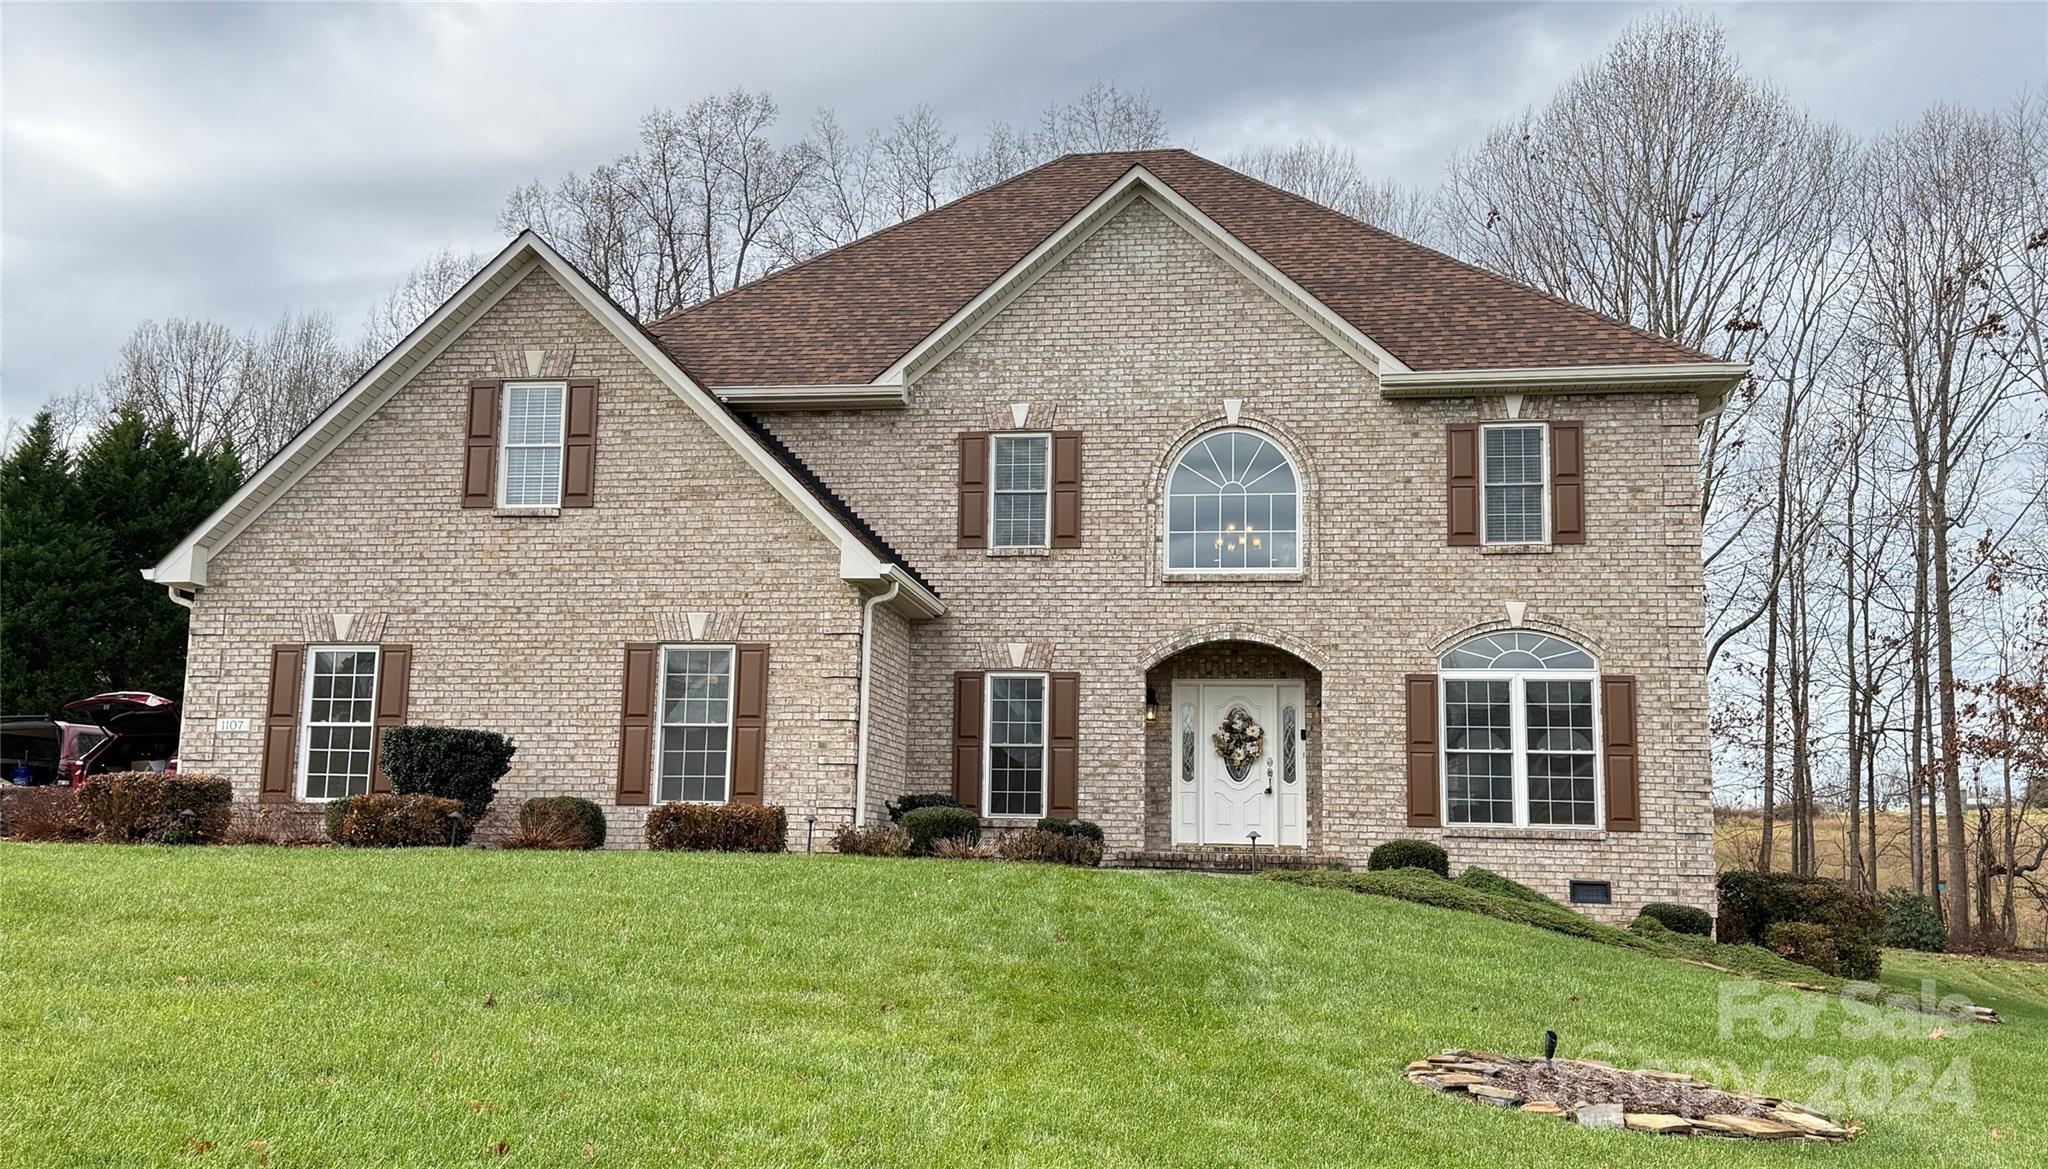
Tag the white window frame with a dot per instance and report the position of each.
(506, 446)
(1542, 483)
(1518, 738)
(1300, 509)
(306, 723)
(995, 440)
(988, 744)
(661, 723)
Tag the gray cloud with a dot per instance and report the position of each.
(236, 160)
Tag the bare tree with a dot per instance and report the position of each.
(842, 202)
(1332, 175)
(185, 372)
(413, 299)
(918, 162)
(1103, 118)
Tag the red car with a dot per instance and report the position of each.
(124, 730)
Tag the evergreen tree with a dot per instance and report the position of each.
(54, 586)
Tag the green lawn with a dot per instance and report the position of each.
(163, 1006)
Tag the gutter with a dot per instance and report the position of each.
(867, 686)
(180, 596)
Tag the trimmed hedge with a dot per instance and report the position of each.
(875, 840)
(386, 820)
(564, 822)
(1046, 846)
(930, 824)
(1681, 919)
(1061, 826)
(1751, 903)
(131, 807)
(1488, 881)
(450, 762)
(904, 805)
(717, 828)
(1409, 854)
(1911, 923)
(1805, 943)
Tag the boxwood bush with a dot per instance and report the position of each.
(931, 824)
(450, 762)
(1061, 826)
(1409, 854)
(387, 820)
(1911, 923)
(1681, 919)
(718, 828)
(1751, 903)
(903, 806)
(564, 822)
(131, 807)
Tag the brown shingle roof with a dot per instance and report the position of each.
(846, 316)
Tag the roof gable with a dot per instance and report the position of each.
(853, 315)
(863, 555)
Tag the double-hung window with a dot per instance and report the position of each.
(1016, 745)
(1512, 479)
(696, 724)
(531, 474)
(339, 721)
(1520, 744)
(1022, 499)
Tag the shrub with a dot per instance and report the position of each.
(44, 814)
(717, 828)
(876, 840)
(1488, 881)
(128, 807)
(1911, 923)
(904, 805)
(1681, 919)
(1650, 927)
(1086, 829)
(959, 848)
(559, 822)
(386, 820)
(936, 822)
(1805, 943)
(449, 762)
(1047, 846)
(1753, 902)
(1409, 854)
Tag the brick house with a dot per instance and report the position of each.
(1131, 488)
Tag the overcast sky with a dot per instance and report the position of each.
(233, 161)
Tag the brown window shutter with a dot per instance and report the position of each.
(974, 490)
(1063, 737)
(579, 443)
(749, 722)
(1618, 752)
(281, 724)
(1423, 799)
(1567, 483)
(967, 739)
(636, 722)
(480, 456)
(394, 694)
(1066, 489)
(1461, 480)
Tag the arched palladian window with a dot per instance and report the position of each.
(1520, 741)
(1233, 504)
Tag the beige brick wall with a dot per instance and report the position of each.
(518, 623)
(1136, 340)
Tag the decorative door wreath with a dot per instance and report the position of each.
(1240, 742)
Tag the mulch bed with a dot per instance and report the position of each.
(1599, 1095)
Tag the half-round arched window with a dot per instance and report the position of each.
(1520, 737)
(1233, 504)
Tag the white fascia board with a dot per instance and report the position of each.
(913, 600)
(1711, 380)
(1085, 223)
(831, 397)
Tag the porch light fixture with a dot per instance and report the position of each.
(1151, 705)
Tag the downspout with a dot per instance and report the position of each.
(181, 596)
(867, 685)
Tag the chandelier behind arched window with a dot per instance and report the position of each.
(1233, 504)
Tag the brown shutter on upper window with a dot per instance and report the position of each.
(1461, 482)
(1567, 483)
(579, 444)
(974, 490)
(394, 694)
(636, 722)
(749, 722)
(1618, 752)
(967, 739)
(281, 724)
(1423, 800)
(1066, 489)
(480, 455)
(1063, 738)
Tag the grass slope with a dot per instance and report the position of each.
(423, 1007)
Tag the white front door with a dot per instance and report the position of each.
(1217, 800)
